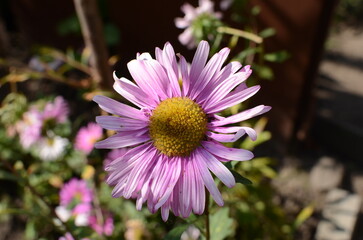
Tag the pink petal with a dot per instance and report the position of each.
(218, 169)
(207, 179)
(220, 150)
(242, 116)
(170, 64)
(225, 87)
(199, 60)
(115, 107)
(233, 100)
(226, 137)
(250, 132)
(120, 124)
(133, 93)
(175, 169)
(209, 71)
(123, 139)
(184, 75)
(198, 195)
(150, 76)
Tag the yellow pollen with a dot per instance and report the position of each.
(177, 126)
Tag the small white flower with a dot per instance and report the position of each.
(81, 219)
(192, 233)
(51, 148)
(63, 213)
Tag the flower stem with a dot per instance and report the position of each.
(207, 235)
(240, 33)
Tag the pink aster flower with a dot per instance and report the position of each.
(29, 128)
(174, 135)
(204, 11)
(105, 228)
(58, 110)
(87, 137)
(76, 191)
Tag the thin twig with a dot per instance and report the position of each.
(91, 26)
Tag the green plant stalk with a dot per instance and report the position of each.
(240, 33)
(207, 235)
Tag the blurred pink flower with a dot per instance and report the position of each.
(69, 236)
(192, 14)
(75, 191)
(29, 128)
(87, 137)
(105, 228)
(58, 110)
(114, 154)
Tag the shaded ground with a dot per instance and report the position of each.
(337, 131)
(339, 109)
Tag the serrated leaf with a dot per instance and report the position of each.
(176, 232)
(240, 179)
(221, 225)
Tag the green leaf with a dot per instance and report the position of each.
(112, 34)
(240, 179)
(30, 231)
(261, 138)
(245, 53)
(221, 225)
(268, 32)
(277, 56)
(8, 176)
(176, 232)
(303, 216)
(256, 10)
(264, 72)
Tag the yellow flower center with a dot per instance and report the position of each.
(177, 126)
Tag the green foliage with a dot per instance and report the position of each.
(249, 211)
(221, 225)
(176, 233)
(280, 56)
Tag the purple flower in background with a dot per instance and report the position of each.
(174, 134)
(29, 128)
(75, 190)
(69, 236)
(114, 154)
(87, 137)
(57, 110)
(75, 201)
(193, 20)
(105, 228)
